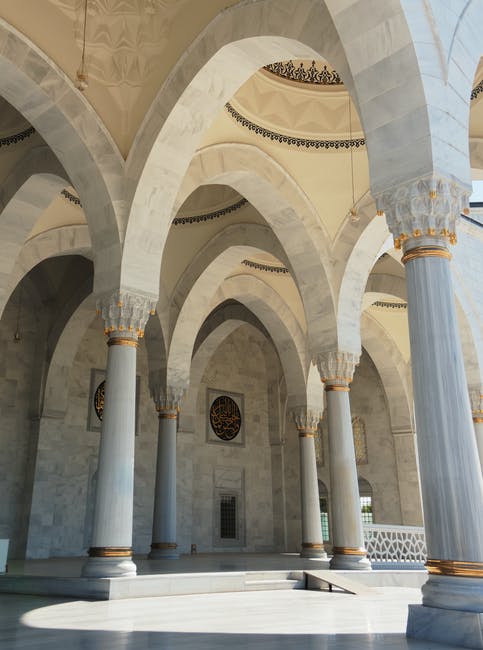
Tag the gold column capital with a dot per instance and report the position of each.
(167, 413)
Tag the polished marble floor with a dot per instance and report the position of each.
(275, 620)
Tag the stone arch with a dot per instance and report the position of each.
(267, 306)
(240, 236)
(29, 188)
(281, 324)
(238, 42)
(394, 372)
(57, 381)
(288, 212)
(354, 280)
(218, 326)
(67, 240)
(43, 94)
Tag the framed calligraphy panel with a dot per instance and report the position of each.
(225, 417)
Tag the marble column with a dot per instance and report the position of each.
(421, 215)
(476, 397)
(110, 554)
(336, 370)
(312, 542)
(164, 544)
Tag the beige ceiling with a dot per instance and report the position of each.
(131, 45)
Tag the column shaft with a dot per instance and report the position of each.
(164, 519)
(479, 438)
(111, 547)
(451, 479)
(312, 542)
(348, 541)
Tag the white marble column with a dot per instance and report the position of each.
(110, 554)
(164, 545)
(421, 216)
(336, 370)
(312, 542)
(476, 397)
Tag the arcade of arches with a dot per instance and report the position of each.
(263, 208)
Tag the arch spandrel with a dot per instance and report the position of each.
(238, 42)
(44, 95)
(291, 216)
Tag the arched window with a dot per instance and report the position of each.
(324, 510)
(365, 496)
(360, 443)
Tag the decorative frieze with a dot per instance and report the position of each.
(72, 198)
(337, 367)
(269, 268)
(309, 143)
(477, 90)
(310, 74)
(209, 216)
(125, 312)
(17, 137)
(425, 207)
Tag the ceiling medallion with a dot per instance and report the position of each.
(225, 418)
(200, 218)
(17, 137)
(309, 143)
(310, 75)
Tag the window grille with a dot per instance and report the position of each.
(366, 510)
(228, 517)
(324, 518)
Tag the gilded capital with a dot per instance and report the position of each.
(126, 312)
(476, 399)
(168, 398)
(424, 207)
(306, 420)
(337, 367)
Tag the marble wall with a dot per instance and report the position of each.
(263, 471)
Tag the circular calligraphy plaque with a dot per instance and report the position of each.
(99, 399)
(225, 418)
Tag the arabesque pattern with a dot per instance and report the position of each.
(395, 543)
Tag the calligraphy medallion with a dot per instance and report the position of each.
(99, 399)
(225, 418)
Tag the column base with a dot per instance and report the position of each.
(350, 559)
(313, 550)
(448, 626)
(164, 551)
(108, 567)
(453, 593)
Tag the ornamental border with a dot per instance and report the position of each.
(387, 304)
(301, 74)
(71, 197)
(210, 215)
(477, 90)
(270, 268)
(17, 137)
(290, 140)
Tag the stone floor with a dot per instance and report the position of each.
(275, 620)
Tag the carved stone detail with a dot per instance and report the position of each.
(476, 399)
(167, 399)
(424, 207)
(337, 367)
(125, 312)
(306, 419)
